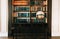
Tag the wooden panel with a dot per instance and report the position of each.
(31, 31)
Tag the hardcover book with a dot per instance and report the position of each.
(20, 3)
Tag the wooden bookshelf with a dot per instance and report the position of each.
(22, 16)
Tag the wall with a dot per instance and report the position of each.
(4, 18)
(55, 18)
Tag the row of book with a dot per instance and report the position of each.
(26, 14)
(31, 2)
(30, 20)
(30, 8)
(20, 3)
(21, 8)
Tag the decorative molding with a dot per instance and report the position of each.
(0, 15)
(3, 34)
(56, 34)
(7, 16)
(59, 14)
(55, 18)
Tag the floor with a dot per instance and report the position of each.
(11, 38)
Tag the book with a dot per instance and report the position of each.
(45, 3)
(14, 14)
(44, 8)
(34, 8)
(20, 3)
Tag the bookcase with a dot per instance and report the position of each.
(23, 17)
(24, 11)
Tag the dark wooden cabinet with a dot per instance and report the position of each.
(31, 31)
(23, 18)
